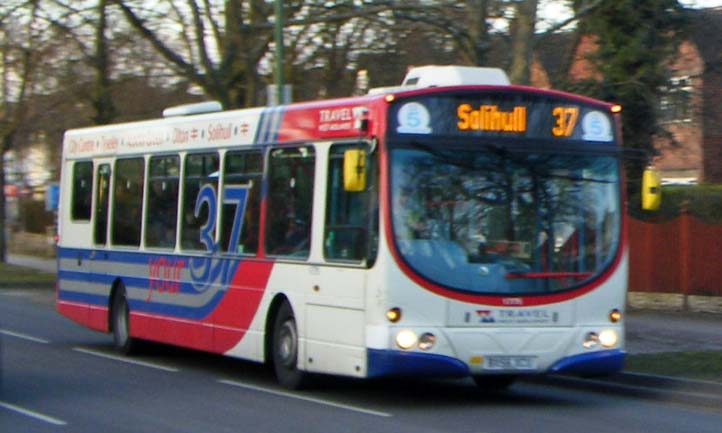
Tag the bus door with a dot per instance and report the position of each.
(336, 307)
(100, 238)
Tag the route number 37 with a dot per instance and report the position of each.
(232, 194)
(565, 118)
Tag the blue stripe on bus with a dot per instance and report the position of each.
(398, 363)
(179, 311)
(591, 364)
(269, 124)
(100, 255)
(67, 278)
(82, 298)
(140, 305)
(262, 127)
(86, 277)
(107, 280)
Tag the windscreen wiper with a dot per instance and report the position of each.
(546, 275)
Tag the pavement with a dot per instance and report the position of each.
(39, 263)
(672, 331)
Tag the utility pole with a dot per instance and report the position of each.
(278, 40)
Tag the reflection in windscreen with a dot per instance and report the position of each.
(492, 221)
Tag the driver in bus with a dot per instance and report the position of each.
(409, 220)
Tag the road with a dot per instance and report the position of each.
(59, 377)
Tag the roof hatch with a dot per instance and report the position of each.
(438, 76)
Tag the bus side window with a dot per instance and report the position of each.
(162, 215)
(290, 201)
(82, 191)
(128, 201)
(351, 216)
(200, 170)
(102, 192)
(242, 169)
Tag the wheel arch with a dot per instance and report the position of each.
(276, 303)
(114, 288)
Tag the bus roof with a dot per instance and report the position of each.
(314, 120)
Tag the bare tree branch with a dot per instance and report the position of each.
(139, 24)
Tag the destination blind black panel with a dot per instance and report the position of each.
(502, 115)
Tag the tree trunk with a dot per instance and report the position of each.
(3, 239)
(522, 35)
(478, 31)
(102, 98)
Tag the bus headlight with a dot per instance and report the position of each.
(406, 339)
(427, 341)
(608, 338)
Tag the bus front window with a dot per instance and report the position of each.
(497, 221)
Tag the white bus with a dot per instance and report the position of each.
(453, 226)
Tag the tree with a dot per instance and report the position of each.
(217, 47)
(19, 55)
(634, 39)
(522, 33)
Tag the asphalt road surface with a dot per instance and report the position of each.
(60, 377)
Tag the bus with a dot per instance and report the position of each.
(453, 226)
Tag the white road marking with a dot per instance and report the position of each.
(303, 398)
(32, 414)
(126, 360)
(24, 336)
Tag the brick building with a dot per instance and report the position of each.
(691, 104)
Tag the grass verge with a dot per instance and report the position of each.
(18, 276)
(700, 365)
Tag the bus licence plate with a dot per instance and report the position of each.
(510, 363)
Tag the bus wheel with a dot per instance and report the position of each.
(494, 382)
(122, 340)
(285, 349)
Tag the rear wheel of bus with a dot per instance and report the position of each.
(285, 349)
(120, 314)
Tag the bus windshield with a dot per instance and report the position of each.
(499, 221)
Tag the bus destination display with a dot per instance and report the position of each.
(502, 116)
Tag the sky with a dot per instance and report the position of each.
(701, 3)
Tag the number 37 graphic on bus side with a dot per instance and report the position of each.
(232, 194)
(205, 270)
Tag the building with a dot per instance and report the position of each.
(690, 109)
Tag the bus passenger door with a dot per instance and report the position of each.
(98, 255)
(335, 314)
(335, 321)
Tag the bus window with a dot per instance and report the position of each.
(82, 191)
(242, 170)
(101, 207)
(162, 214)
(128, 201)
(351, 217)
(290, 201)
(201, 170)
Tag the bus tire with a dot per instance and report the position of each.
(120, 315)
(285, 349)
(494, 382)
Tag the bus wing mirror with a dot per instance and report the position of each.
(354, 170)
(651, 189)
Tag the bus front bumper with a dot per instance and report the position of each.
(399, 363)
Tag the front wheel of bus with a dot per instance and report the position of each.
(285, 349)
(122, 340)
